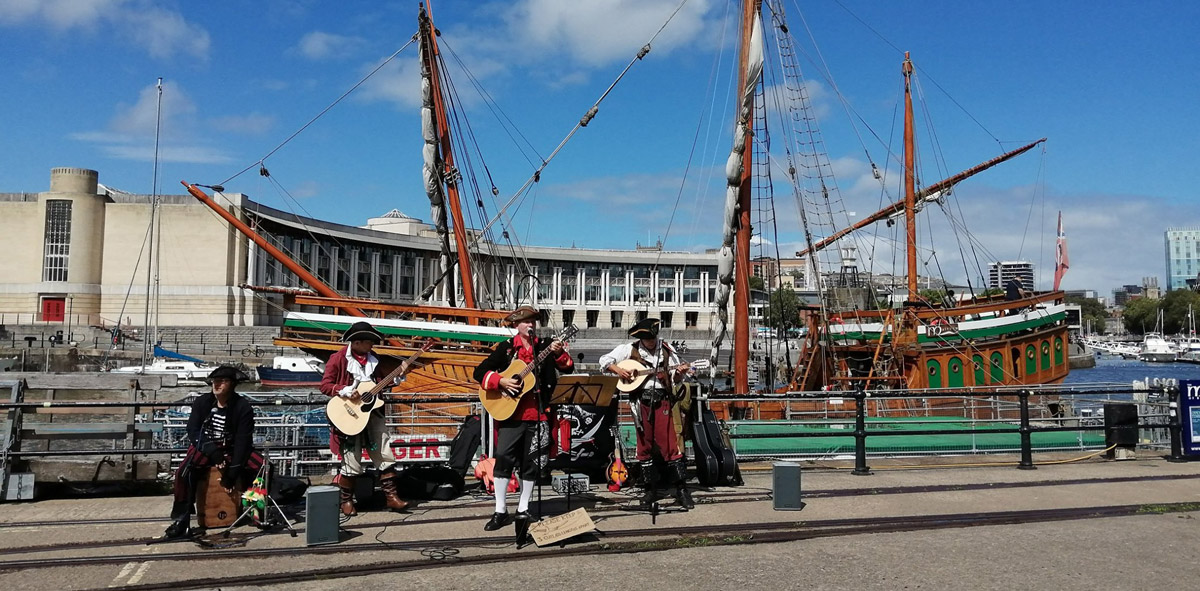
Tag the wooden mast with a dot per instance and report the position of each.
(910, 181)
(287, 261)
(449, 174)
(922, 194)
(741, 264)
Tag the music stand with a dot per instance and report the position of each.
(581, 389)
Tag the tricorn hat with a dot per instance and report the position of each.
(646, 329)
(523, 313)
(227, 372)
(361, 331)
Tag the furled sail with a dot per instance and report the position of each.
(734, 169)
(432, 166)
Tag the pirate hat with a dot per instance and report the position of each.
(226, 372)
(646, 329)
(361, 331)
(521, 314)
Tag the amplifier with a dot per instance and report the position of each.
(578, 483)
(322, 515)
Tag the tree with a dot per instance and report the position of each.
(1092, 312)
(1175, 310)
(783, 310)
(756, 283)
(1140, 315)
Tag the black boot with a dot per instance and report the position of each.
(684, 497)
(650, 481)
(178, 528)
(522, 527)
(497, 521)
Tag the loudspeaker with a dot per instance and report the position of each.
(1120, 426)
(321, 515)
(785, 486)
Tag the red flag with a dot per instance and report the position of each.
(1061, 264)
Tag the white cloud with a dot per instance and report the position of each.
(251, 124)
(130, 133)
(319, 45)
(398, 82)
(161, 32)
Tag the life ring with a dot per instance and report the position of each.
(835, 320)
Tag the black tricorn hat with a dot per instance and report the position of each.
(361, 331)
(646, 329)
(523, 313)
(227, 373)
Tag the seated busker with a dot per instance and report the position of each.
(349, 366)
(524, 438)
(651, 407)
(220, 433)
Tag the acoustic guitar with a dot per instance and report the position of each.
(350, 415)
(500, 404)
(641, 372)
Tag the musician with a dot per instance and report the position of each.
(651, 406)
(524, 438)
(352, 364)
(220, 433)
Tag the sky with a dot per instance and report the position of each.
(1112, 85)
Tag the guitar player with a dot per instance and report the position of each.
(651, 405)
(347, 367)
(524, 438)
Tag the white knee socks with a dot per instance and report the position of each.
(526, 494)
(501, 492)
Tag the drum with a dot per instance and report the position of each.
(214, 506)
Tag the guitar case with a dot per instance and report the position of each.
(708, 466)
(716, 463)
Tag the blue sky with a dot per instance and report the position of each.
(1111, 84)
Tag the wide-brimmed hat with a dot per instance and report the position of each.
(227, 373)
(646, 329)
(521, 314)
(361, 331)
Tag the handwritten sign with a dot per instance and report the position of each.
(561, 527)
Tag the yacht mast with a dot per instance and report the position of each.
(151, 262)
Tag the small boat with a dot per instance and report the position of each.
(1157, 349)
(291, 371)
(166, 362)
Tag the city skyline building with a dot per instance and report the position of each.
(1001, 272)
(1182, 256)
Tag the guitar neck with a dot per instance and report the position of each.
(399, 371)
(537, 360)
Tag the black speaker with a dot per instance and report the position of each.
(785, 486)
(1120, 426)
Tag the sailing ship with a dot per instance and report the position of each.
(986, 342)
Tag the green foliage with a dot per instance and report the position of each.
(783, 310)
(1092, 311)
(757, 283)
(1141, 314)
(991, 291)
(936, 297)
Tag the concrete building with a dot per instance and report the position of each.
(999, 274)
(1183, 256)
(79, 251)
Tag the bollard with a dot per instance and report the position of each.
(860, 433)
(1175, 427)
(1025, 430)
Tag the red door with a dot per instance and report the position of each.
(54, 309)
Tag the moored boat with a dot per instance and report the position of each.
(288, 370)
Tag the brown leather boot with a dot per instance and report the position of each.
(346, 494)
(388, 485)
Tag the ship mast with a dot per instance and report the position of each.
(741, 288)
(910, 181)
(441, 171)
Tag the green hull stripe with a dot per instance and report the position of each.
(958, 336)
(399, 332)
